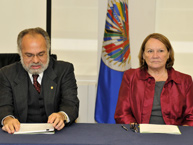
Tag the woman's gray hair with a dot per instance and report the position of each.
(33, 31)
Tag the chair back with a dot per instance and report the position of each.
(8, 58)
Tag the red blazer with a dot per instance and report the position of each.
(137, 92)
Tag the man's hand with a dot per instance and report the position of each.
(57, 119)
(11, 125)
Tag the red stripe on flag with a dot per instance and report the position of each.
(109, 50)
(111, 13)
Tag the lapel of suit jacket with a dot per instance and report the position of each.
(20, 93)
(49, 88)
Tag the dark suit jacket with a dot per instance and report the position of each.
(59, 86)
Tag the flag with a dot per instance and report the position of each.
(115, 59)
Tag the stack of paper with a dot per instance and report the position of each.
(35, 128)
(154, 128)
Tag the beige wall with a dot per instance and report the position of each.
(174, 18)
(17, 15)
(74, 34)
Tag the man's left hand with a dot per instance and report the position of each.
(57, 119)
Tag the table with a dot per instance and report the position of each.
(98, 134)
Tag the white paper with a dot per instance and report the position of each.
(155, 128)
(35, 128)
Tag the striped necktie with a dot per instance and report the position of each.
(36, 84)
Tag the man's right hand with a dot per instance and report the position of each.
(10, 125)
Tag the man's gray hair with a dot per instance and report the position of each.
(33, 31)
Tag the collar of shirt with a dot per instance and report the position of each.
(39, 78)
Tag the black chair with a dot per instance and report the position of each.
(9, 58)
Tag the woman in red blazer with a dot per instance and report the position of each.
(155, 93)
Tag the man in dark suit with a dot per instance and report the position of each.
(38, 89)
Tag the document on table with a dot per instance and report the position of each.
(155, 128)
(35, 128)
